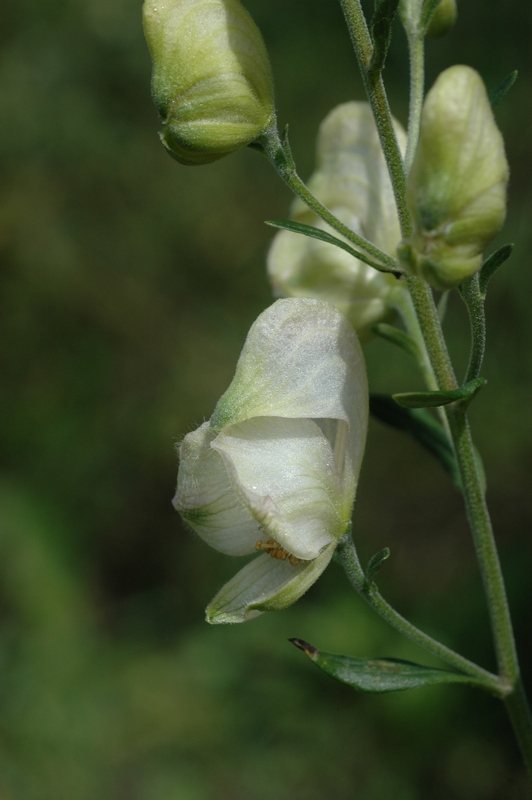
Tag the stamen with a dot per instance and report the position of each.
(275, 550)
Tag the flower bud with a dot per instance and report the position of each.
(443, 19)
(456, 189)
(211, 78)
(276, 468)
(352, 180)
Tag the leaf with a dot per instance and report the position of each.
(381, 32)
(398, 337)
(442, 305)
(465, 393)
(376, 562)
(497, 94)
(492, 264)
(380, 674)
(422, 426)
(318, 233)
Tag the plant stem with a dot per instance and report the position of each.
(271, 145)
(401, 300)
(474, 300)
(480, 524)
(519, 712)
(429, 323)
(374, 85)
(417, 81)
(348, 557)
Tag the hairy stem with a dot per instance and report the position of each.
(376, 93)
(273, 148)
(417, 81)
(474, 301)
(349, 560)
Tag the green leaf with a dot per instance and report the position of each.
(380, 674)
(492, 264)
(442, 305)
(398, 337)
(421, 425)
(381, 32)
(318, 233)
(465, 394)
(376, 562)
(497, 94)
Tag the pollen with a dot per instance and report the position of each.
(275, 550)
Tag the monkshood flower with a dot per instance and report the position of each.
(211, 79)
(456, 189)
(276, 467)
(352, 180)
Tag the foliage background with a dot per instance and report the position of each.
(127, 286)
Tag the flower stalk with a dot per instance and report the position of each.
(458, 425)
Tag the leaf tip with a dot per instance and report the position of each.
(308, 649)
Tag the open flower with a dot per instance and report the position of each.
(352, 180)
(276, 467)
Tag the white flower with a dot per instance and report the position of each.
(352, 180)
(276, 467)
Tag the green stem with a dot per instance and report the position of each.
(480, 523)
(474, 300)
(401, 300)
(485, 546)
(348, 557)
(519, 712)
(374, 85)
(417, 81)
(271, 145)
(429, 323)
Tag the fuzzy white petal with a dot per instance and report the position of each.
(284, 472)
(301, 359)
(206, 500)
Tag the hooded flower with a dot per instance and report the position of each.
(211, 80)
(456, 189)
(351, 179)
(276, 467)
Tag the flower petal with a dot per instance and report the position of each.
(301, 359)
(299, 266)
(206, 499)
(265, 584)
(284, 472)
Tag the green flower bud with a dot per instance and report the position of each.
(211, 79)
(443, 19)
(352, 180)
(276, 467)
(456, 189)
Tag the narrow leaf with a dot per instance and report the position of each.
(398, 337)
(376, 562)
(497, 94)
(442, 305)
(381, 32)
(421, 425)
(318, 233)
(380, 674)
(464, 393)
(492, 264)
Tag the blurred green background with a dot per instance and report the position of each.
(127, 286)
